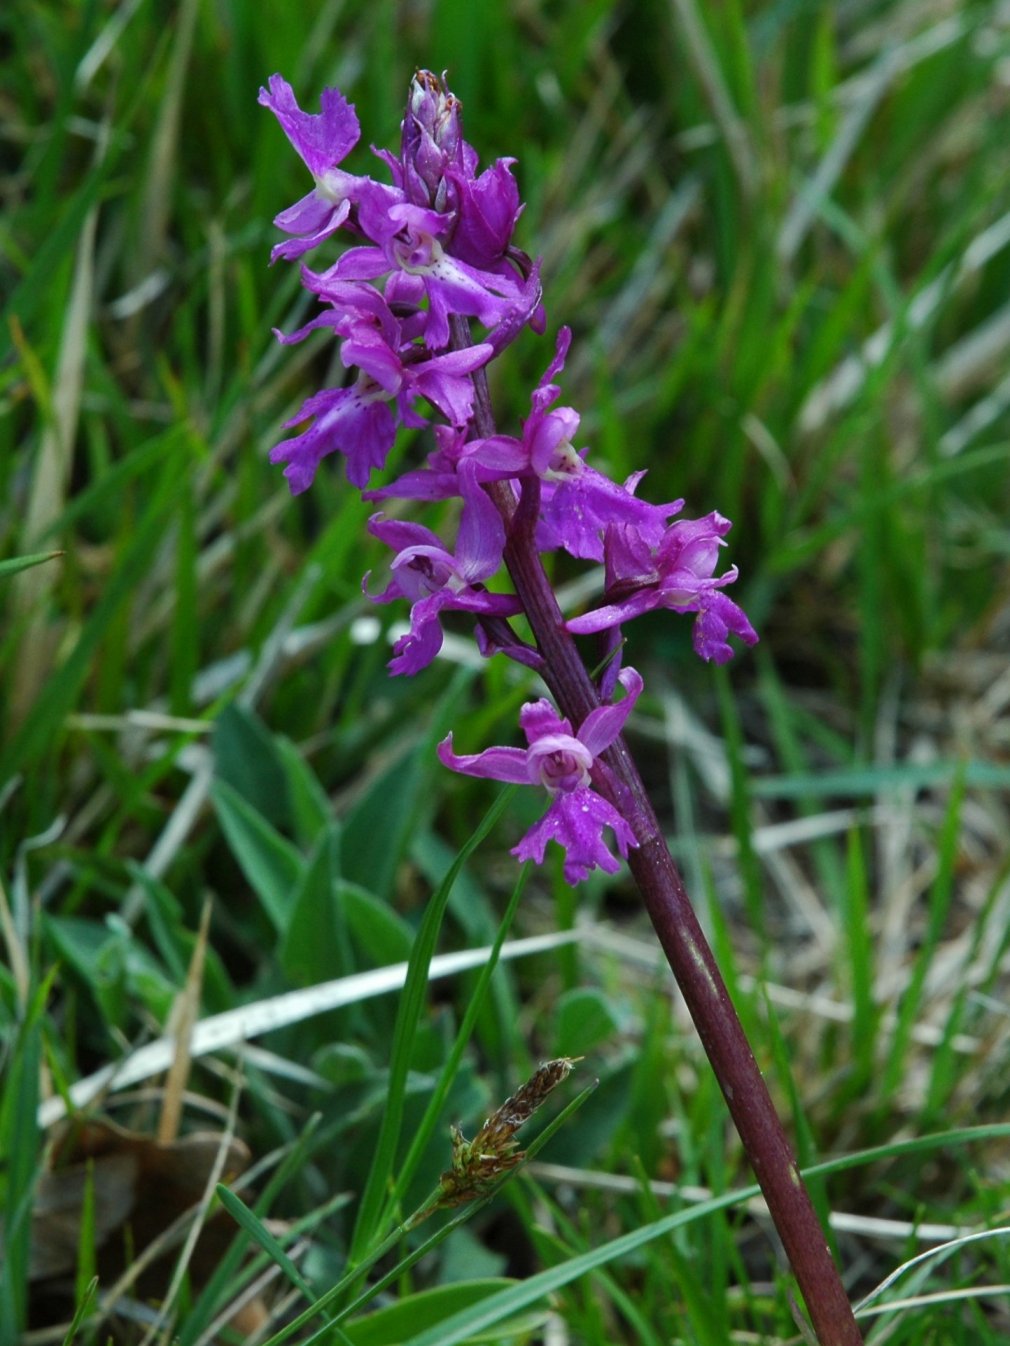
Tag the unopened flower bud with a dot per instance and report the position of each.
(431, 140)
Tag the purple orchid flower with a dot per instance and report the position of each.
(562, 761)
(322, 141)
(434, 580)
(359, 421)
(439, 252)
(675, 573)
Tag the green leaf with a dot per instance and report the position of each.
(583, 1018)
(379, 829)
(310, 809)
(243, 1216)
(82, 1310)
(316, 946)
(412, 1002)
(246, 757)
(378, 933)
(272, 865)
(376, 829)
(20, 1142)
(112, 964)
(450, 1069)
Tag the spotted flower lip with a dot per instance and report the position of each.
(562, 761)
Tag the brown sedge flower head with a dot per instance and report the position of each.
(478, 1164)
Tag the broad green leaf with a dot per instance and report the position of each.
(310, 809)
(377, 932)
(272, 865)
(246, 757)
(315, 947)
(376, 829)
(583, 1018)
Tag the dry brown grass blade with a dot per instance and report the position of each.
(182, 1021)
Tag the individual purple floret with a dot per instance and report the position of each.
(489, 207)
(562, 762)
(361, 421)
(414, 240)
(322, 140)
(675, 573)
(434, 580)
(355, 420)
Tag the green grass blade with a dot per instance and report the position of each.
(441, 1091)
(248, 1221)
(411, 1005)
(16, 563)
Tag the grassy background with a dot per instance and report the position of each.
(781, 234)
